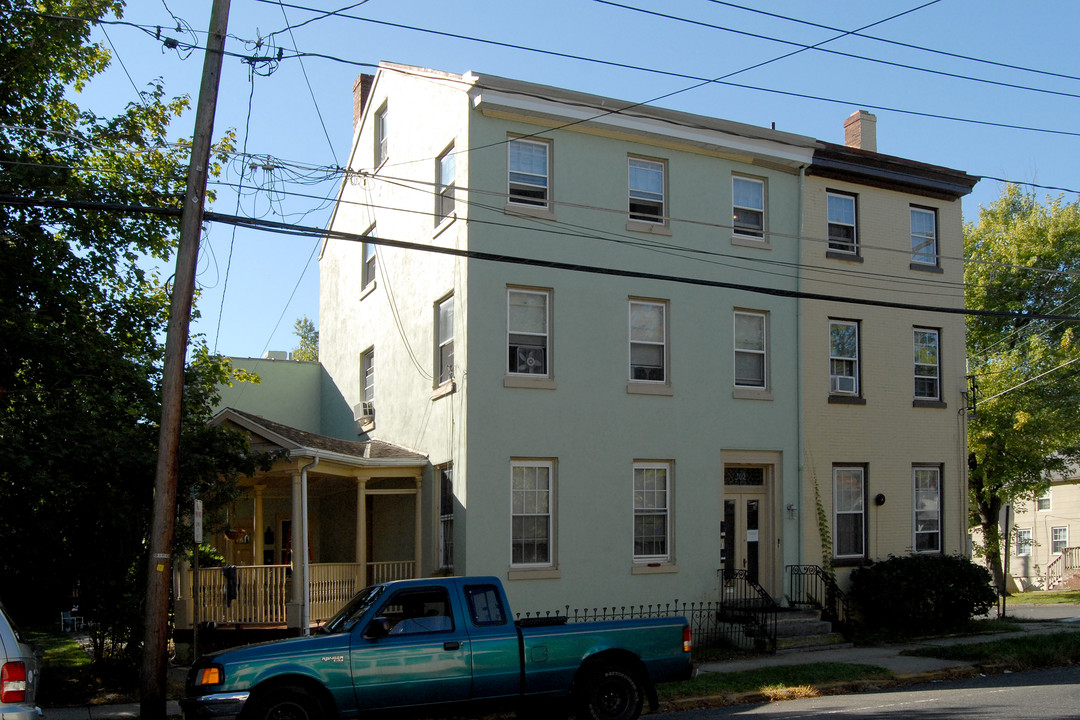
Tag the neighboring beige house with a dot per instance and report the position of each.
(1044, 539)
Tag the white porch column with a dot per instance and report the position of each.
(417, 549)
(361, 529)
(257, 530)
(296, 596)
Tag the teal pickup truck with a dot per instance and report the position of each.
(442, 646)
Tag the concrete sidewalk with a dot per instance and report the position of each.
(1039, 619)
(1043, 619)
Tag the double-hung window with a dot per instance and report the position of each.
(652, 512)
(382, 142)
(528, 176)
(751, 352)
(445, 184)
(748, 206)
(1042, 503)
(843, 357)
(927, 364)
(528, 331)
(532, 527)
(648, 341)
(1059, 540)
(367, 381)
(849, 503)
(1023, 542)
(367, 271)
(924, 247)
(646, 187)
(444, 313)
(843, 234)
(927, 508)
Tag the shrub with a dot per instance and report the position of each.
(931, 593)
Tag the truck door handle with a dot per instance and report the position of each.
(452, 645)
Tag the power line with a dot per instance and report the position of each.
(640, 68)
(898, 43)
(830, 51)
(317, 232)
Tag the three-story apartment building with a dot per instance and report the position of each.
(630, 343)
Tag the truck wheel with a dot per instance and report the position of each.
(611, 693)
(287, 703)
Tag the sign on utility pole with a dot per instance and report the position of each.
(163, 524)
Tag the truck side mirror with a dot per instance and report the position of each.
(377, 628)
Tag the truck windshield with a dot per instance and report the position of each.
(346, 617)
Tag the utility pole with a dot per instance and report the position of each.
(163, 525)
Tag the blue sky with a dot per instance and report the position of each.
(255, 285)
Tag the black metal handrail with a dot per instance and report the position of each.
(810, 586)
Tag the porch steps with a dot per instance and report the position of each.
(802, 630)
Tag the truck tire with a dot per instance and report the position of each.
(286, 703)
(610, 693)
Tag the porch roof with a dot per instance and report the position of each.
(300, 443)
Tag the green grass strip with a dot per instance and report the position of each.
(770, 678)
(1024, 653)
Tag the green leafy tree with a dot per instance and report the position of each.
(81, 318)
(1024, 260)
(309, 340)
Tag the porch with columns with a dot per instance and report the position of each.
(290, 561)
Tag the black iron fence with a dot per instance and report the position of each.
(811, 587)
(744, 618)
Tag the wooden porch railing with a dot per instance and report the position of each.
(1069, 559)
(262, 591)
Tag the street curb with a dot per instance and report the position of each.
(836, 688)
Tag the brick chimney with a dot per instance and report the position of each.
(860, 131)
(360, 90)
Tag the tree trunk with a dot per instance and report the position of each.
(989, 517)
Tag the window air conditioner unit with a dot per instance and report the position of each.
(844, 385)
(364, 411)
(530, 360)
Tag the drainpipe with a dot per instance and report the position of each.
(305, 598)
(800, 461)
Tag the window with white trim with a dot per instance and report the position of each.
(849, 504)
(927, 508)
(370, 266)
(445, 184)
(648, 341)
(446, 518)
(751, 351)
(444, 354)
(646, 189)
(1042, 503)
(652, 509)
(924, 247)
(927, 364)
(367, 382)
(843, 226)
(843, 357)
(748, 206)
(1059, 540)
(1023, 542)
(532, 492)
(528, 325)
(382, 135)
(528, 175)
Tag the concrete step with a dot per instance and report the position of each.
(797, 623)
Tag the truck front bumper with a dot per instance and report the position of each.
(221, 706)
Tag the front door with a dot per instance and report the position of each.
(746, 536)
